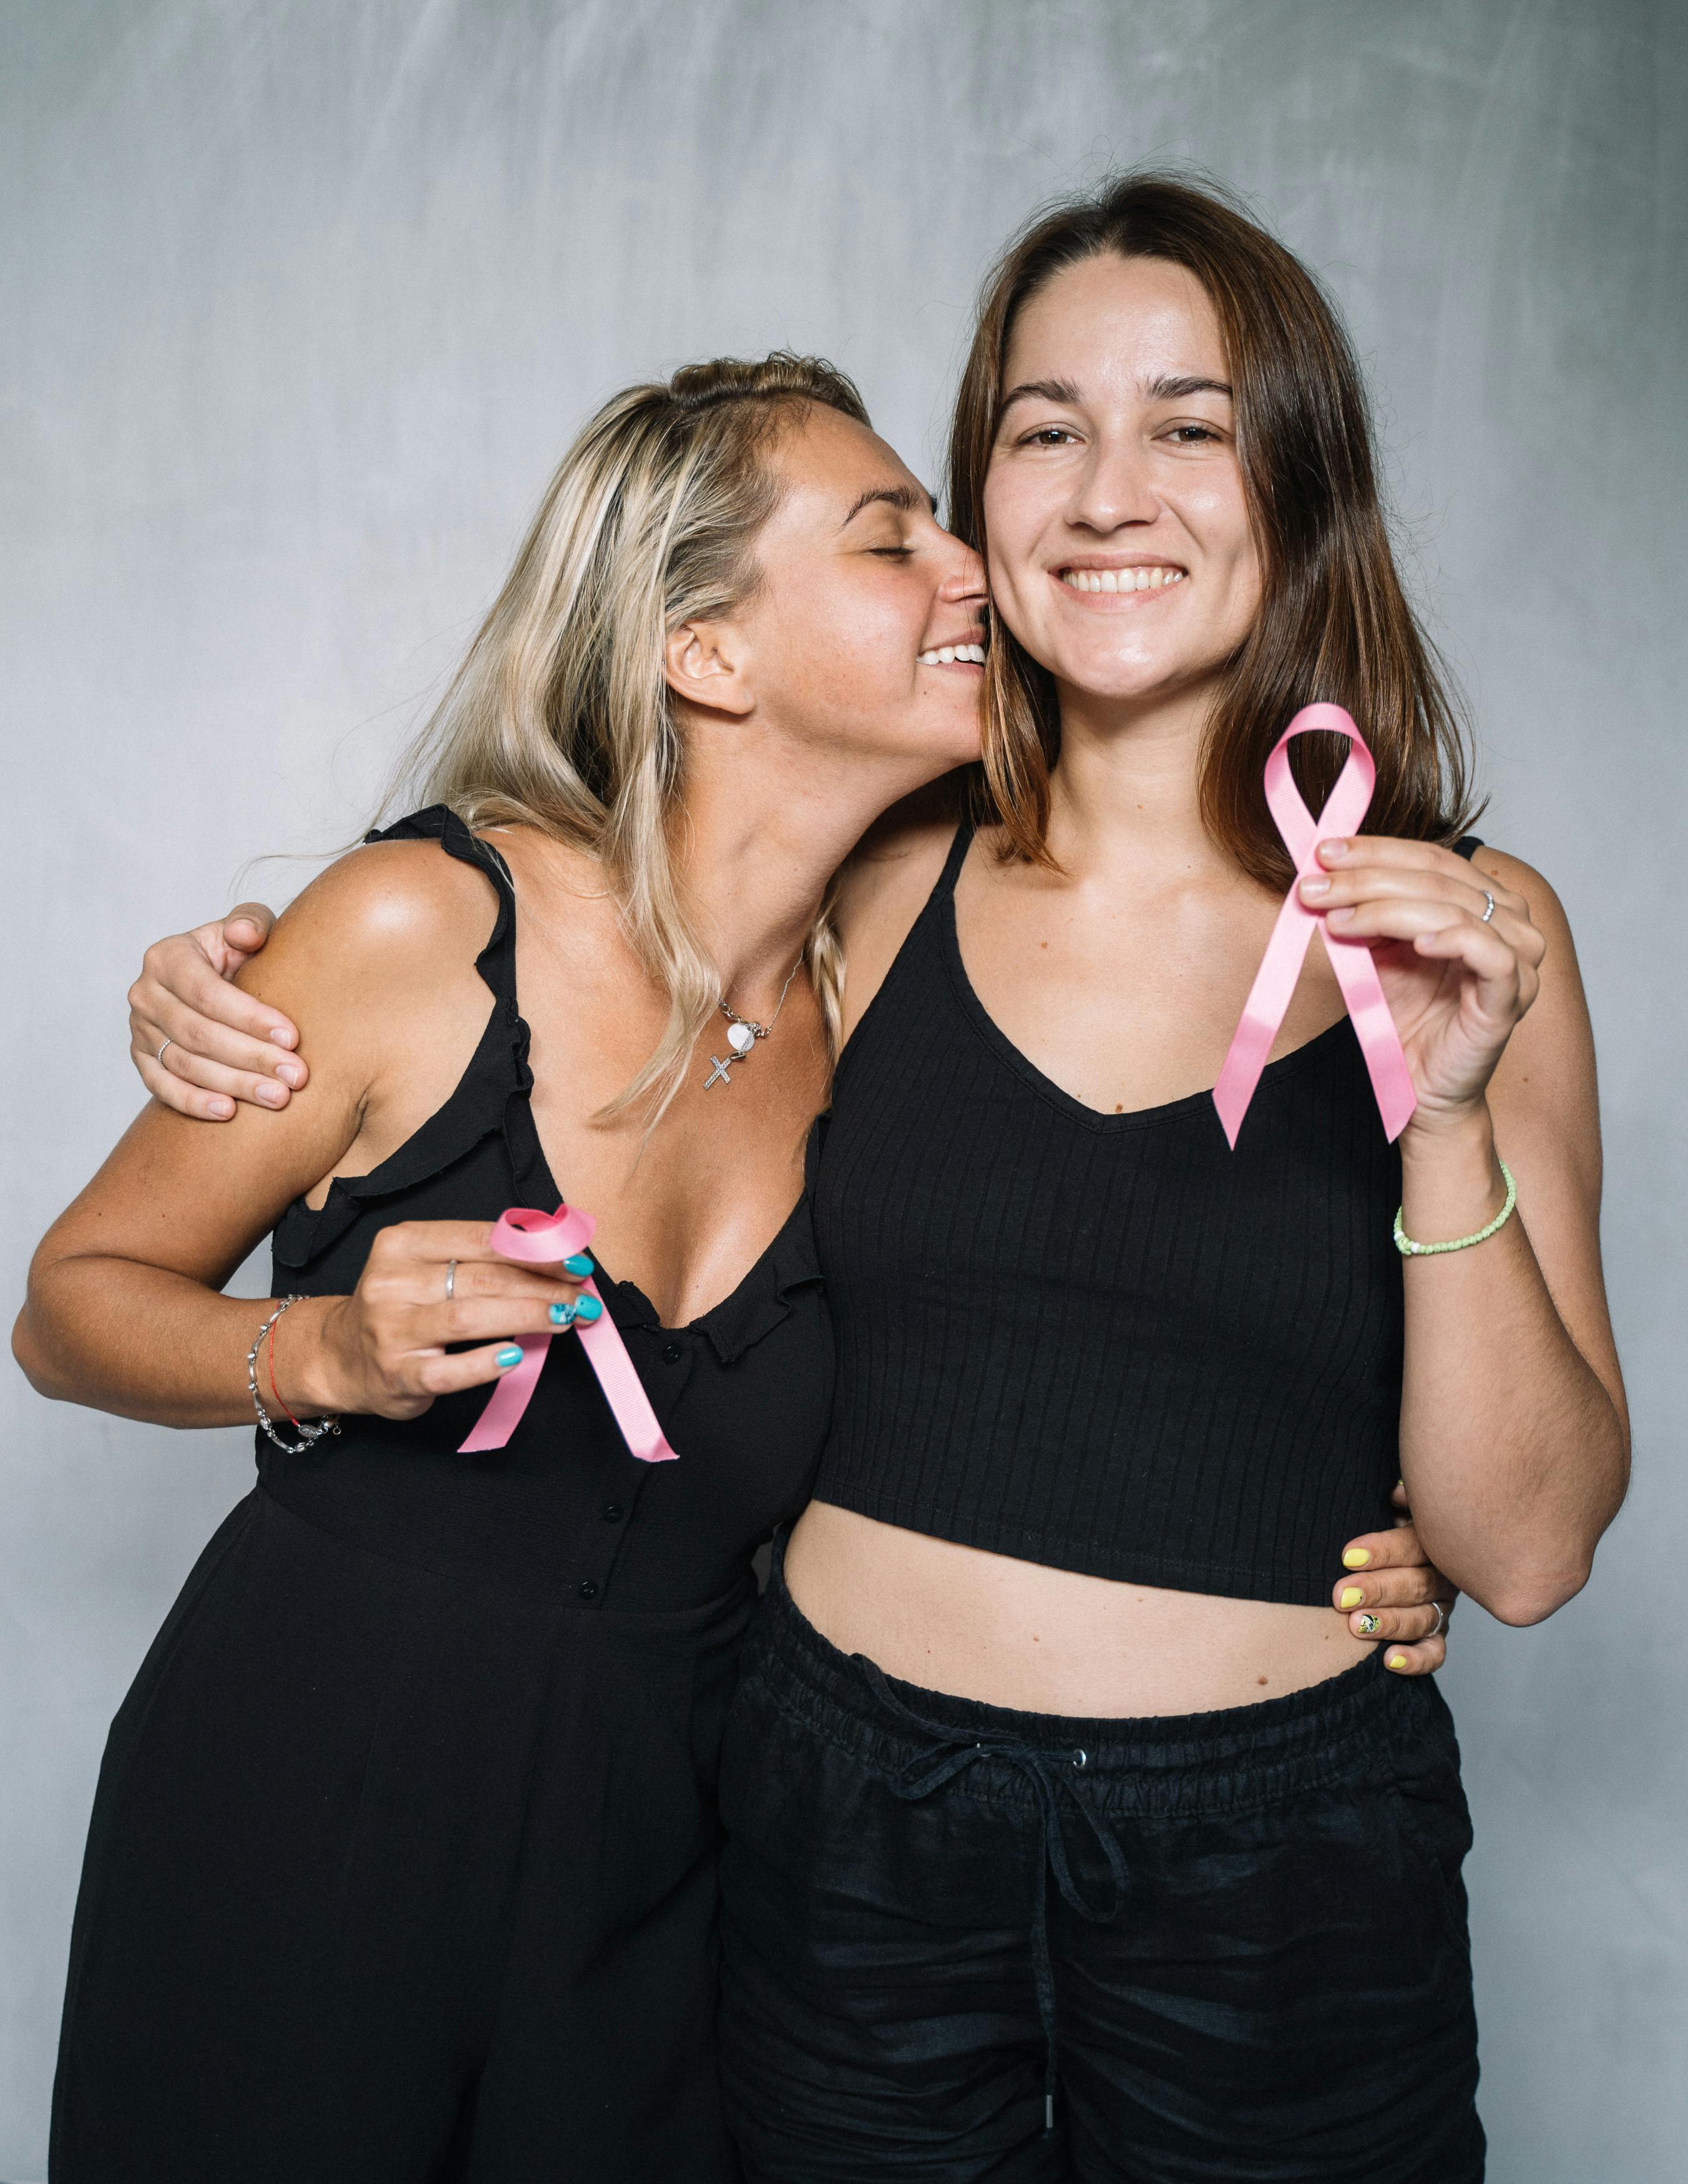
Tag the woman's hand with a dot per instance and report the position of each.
(221, 1045)
(1389, 1594)
(382, 1351)
(1456, 986)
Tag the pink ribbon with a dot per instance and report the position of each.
(533, 1238)
(1356, 974)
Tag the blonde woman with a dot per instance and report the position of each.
(402, 1862)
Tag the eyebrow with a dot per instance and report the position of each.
(1162, 389)
(1042, 390)
(904, 497)
(1175, 389)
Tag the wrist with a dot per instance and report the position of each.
(1450, 1179)
(1437, 1134)
(300, 1352)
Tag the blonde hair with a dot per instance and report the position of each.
(560, 716)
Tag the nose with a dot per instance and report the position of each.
(965, 582)
(1114, 489)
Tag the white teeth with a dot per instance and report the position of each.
(946, 652)
(946, 655)
(1120, 580)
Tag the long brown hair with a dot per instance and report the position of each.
(1334, 623)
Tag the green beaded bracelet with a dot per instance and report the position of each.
(1408, 1249)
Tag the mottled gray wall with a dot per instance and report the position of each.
(302, 301)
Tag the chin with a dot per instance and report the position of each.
(1101, 674)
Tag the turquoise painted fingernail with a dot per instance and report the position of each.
(578, 1264)
(588, 1309)
(509, 1356)
(562, 1315)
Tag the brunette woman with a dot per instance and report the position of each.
(1068, 1835)
(402, 1865)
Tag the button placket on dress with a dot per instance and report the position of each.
(664, 1364)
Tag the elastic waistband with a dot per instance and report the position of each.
(1167, 1765)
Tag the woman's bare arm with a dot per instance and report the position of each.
(1514, 1430)
(124, 1311)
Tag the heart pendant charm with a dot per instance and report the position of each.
(741, 1039)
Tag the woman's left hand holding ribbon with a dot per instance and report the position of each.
(428, 1289)
(1456, 986)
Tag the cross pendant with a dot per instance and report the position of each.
(719, 1071)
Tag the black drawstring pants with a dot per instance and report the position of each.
(962, 1943)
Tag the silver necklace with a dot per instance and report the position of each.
(744, 1032)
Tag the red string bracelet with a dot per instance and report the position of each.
(274, 1389)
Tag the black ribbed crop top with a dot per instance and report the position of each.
(1107, 1342)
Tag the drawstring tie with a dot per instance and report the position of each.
(1051, 1773)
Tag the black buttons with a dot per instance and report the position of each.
(612, 1512)
(671, 1353)
(588, 1591)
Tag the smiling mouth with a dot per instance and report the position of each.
(952, 655)
(1148, 576)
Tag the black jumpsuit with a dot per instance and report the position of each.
(403, 1861)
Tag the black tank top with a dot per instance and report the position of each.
(1107, 1342)
(741, 1393)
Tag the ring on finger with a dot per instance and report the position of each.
(1441, 1622)
(1489, 912)
(450, 1279)
(160, 1055)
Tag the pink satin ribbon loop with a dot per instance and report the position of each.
(533, 1238)
(1356, 974)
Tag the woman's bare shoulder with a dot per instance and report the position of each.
(885, 885)
(377, 928)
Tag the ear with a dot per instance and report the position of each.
(707, 663)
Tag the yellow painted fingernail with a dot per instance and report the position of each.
(1356, 1557)
(1352, 1595)
(1397, 1660)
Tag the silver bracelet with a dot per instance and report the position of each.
(310, 1429)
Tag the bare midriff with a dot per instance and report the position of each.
(1019, 1634)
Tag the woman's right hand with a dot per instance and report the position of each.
(382, 1351)
(220, 1045)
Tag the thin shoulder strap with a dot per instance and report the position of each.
(953, 863)
(1467, 846)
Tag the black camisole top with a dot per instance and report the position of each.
(565, 1509)
(1106, 1343)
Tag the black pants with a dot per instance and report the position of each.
(1222, 1946)
(396, 1877)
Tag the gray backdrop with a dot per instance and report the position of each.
(302, 302)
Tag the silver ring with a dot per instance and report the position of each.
(159, 1057)
(450, 1279)
(1441, 1622)
(1490, 912)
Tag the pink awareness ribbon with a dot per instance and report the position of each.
(533, 1238)
(1351, 960)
